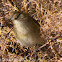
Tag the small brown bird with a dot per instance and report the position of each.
(26, 29)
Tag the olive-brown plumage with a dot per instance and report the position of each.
(26, 29)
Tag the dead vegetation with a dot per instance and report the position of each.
(48, 13)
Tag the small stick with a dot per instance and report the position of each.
(9, 32)
(46, 44)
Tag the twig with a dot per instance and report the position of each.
(46, 44)
(8, 32)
